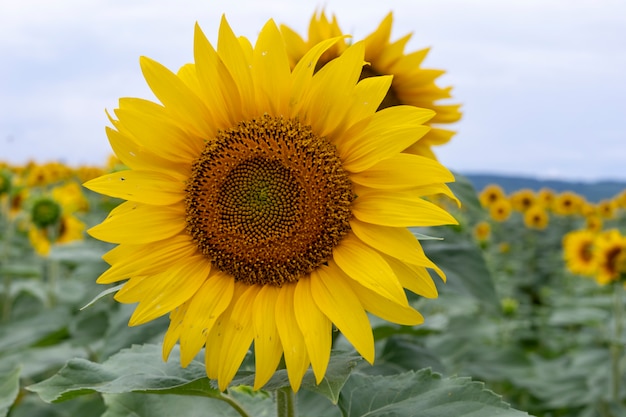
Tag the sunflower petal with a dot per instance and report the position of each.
(271, 70)
(132, 222)
(237, 337)
(267, 347)
(315, 326)
(364, 265)
(133, 260)
(294, 346)
(148, 187)
(203, 310)
(336, 299)
(385, 308)
(399, 209)
(164, 292)
(403, 171)
(389, 132)
(177, 98)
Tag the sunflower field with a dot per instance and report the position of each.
(276, 237)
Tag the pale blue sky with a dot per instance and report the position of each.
(542, 82)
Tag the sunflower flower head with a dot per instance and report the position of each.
(266, 203)
(610, 256)
(412, 83)
(578, 247)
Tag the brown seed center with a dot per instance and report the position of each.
(268, 200)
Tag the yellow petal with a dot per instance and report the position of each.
(237, 337)
(148, 187)
(177, 98)
(403, 171)
(332, 86)
(204, 308)
(272, 73)
(394, 241)
(267, 347)
(316, 328)
(385, 308)
(162, 293)
(302, 74)
(215, 338)
(151, 125)
(399, 209)
(388, 133)
(174, 330)
(219, 89)
(364, 265)
(133, 260)
(138, 157)
(232, 54)
(132, 222)
(294, 347)
(415, 278)
(336, 299)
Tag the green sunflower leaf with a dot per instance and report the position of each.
(422, 393)
(138, 369)
(338, 371)
(9, 388)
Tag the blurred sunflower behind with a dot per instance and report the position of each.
(412, 84)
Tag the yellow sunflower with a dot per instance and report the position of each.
(578, 252)
(482, 231)
(523, 199)
(412, 84)
(536, 217)
(491, 194)
(609, 256)
(567, 203)
(266, 204)
(500, 210)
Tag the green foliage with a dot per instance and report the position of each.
(512, 322)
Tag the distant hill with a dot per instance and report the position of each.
(593, 191)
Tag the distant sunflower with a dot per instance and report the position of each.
(491, 194)
(482, 231)
(567, 203)
(536, 217)
(412, 84)
(266, 204)
(609, 256)
(578, 252)
(500, 210)
(523, 199)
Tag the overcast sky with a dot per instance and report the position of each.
(542, 82)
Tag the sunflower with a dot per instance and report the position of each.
(609, 256)
(536, 217)
(491, 194)
(412, 84)
(500, 210)
(523, 199)
(266, 204)
(578, 252)
(482, 231)
(567, 203)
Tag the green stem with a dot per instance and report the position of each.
(231, 401)
(616, 346)
(285, 402)
(51, 275)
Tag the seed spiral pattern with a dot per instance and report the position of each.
(268, 200)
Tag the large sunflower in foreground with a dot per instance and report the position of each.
(266, 204)
(412, 84)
